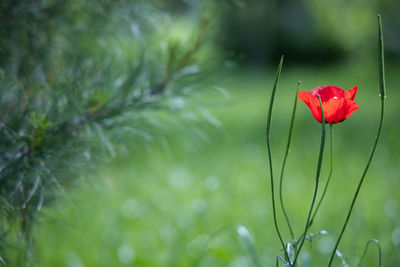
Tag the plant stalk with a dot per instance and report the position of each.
(328, 179)
(382, 97)
(284, 162)
(268, 128)
(329, 175)
(319, 164)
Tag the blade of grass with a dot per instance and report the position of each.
(249, 244)
(284, 162)
(319, 164)
(382, 96)
(243, 234)
(268, 129)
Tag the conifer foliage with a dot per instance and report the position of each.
(75, 77)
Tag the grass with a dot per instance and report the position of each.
(180, 206)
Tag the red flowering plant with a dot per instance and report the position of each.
(328, 104)
(337, 104)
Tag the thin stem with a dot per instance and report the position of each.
(282, 259)
(366, 249)
(319, 164)
(329, 175)
(284, 162)
(270, 157)
(382, 97)
(358, 187)
(327, 182)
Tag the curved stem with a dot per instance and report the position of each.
(270, 158)
(366, 249)
(284, 163)
(319, 164)
(382, 96)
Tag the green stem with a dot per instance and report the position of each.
(327, 182)
(382, 97)
(284, 162)
(366, 249)
(319, 164)
(268, 128)
(358, 187)
(329, 175)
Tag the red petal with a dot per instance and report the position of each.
(350, 106)
(312, 103)
(334, 110)
(327, 92)
(351, 93)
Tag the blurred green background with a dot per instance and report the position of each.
(177, 201)
(162, 207)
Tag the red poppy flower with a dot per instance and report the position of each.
(337, 104)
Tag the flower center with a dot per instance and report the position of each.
(335, 97)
